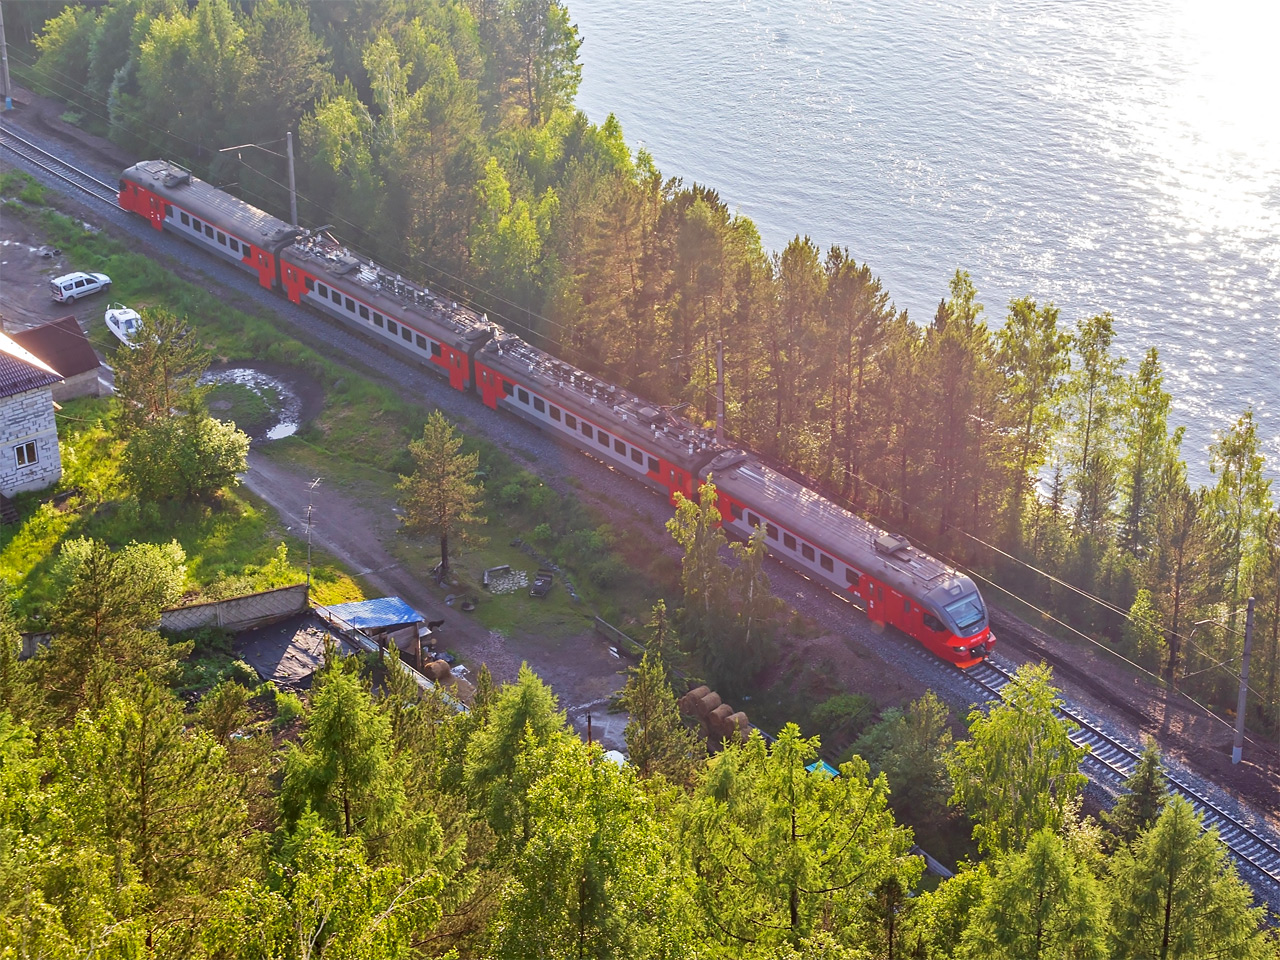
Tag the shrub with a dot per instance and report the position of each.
(288, 707)
(848, 711)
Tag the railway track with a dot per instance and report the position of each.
(106, 192)
(1108, 760)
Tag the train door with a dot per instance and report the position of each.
(874, 595)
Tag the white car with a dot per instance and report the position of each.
(73, 286)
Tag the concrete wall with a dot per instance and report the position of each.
(238, 613)
(28, 417)
(87, 384)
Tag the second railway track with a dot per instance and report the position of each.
(56, 167)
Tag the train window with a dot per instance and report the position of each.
(168, 211)
(392, 328)
(310, 282)
(586, 430)
(196, 225)
(619, 445)
(208, 231)
(654, 466)
(602, 438)
(880, 593)
(771, 531)
(555, 413)
(336, 297)
(753, 520)
(435, 349)
(571, 421)
(377, 319)
(507, 388)
(364, 312)
(825, 562)
(524, 397)
(234, 244)
(406, 335)
(788, 541)
(324, 291)
(222, 238)
(539, 404)
(906, 606)
(186, 221)
(351, 305)
(852, 577)
(807, 552)
(636, 455)
(933, 623)
(420, 340)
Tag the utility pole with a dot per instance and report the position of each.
(720, 392)
(310, 498)
(4, 64)
(1237, 751)
(293, 188)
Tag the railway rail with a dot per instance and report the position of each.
(1108, 760)
(106, 192)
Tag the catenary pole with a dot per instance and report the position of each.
(1237, 751)
(4, 64)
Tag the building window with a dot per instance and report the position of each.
(186, 221)
(364, 312)
(524, 396)
(26, 453)
(539, 405)
(619, 446)
(636, 455)
(420, 340)
(852, 577)
(571, 421)
(807, 552)
(555, 413)
(825, 562)
(587, 431)
(788, 541)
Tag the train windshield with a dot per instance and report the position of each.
(967, 612)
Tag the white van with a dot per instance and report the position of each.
(73, 286)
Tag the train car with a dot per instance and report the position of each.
(320, 272)
(232, 230)
(629, 434)
(893, 581)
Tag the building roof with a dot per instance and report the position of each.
(374, 614)
(62, 345)
(20, 370)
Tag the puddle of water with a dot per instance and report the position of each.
(286, 405)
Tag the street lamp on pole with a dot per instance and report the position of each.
(293, 190)
(310, 497)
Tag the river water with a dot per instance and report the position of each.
(1118, 155)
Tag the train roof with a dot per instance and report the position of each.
(387, 292)
(645, 424)
(812, 517)
(203, 200)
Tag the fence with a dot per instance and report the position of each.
(238, 613)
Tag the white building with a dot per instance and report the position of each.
(29, 454)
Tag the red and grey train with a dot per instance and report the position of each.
(893, 581)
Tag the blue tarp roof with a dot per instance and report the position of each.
(371, 614)
(825, 767)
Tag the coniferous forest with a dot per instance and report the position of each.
(440, 137)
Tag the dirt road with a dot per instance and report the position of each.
(583, 672)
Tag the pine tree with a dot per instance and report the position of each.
(443, 497)
(1091, 399)
(1147, 446)
(160, 375)
(1019, 772)
(658, 743)
(1143, 800)
(1177, 897)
